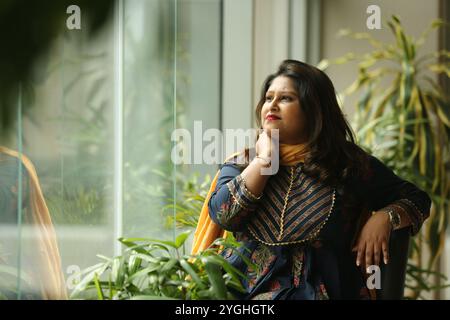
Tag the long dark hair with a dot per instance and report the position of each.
(334, 155)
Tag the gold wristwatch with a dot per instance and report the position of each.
(394, 218)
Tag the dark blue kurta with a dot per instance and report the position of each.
(305, 251)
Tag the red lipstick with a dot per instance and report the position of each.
(272, 117)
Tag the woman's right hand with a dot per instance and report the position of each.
(255, 179)
(264, 145)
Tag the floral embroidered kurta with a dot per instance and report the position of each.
(302, 246)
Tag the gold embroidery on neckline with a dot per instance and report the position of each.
(311, 237)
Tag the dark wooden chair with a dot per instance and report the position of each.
(393, 274)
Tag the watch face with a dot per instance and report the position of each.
(395, 219)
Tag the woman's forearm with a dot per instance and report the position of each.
(405, 221)
(255, 181)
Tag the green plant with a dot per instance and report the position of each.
(407, 125)
(75, 180)
(189, 204)
(77, 204)
(151, 180)
(156, 269)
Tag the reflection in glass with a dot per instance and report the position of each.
(29, 267)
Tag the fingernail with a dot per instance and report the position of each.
(357, 263)
(385, 261)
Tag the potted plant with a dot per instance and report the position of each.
(407, 125)
(158, 269)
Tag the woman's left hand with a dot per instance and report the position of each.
(374, 240)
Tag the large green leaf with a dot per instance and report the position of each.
(215, 277)
(181, 239)
(88, 278)
(187, 267)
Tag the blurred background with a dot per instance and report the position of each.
(93, 109)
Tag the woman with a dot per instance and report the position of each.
(305, 225)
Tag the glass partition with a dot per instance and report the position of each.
(98, 135)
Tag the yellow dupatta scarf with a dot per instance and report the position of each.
(207, 231)
(47, 272)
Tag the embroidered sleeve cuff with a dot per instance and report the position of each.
(234, 212)
(241, 194)
(415, 216)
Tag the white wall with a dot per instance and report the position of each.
(415, 16)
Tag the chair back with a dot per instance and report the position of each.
(394, 273)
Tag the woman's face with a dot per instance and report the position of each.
(281, 110)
